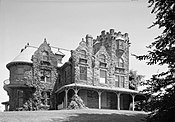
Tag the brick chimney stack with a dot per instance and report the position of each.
(89, 42)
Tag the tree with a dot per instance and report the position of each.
(134, 79)
(162, 52)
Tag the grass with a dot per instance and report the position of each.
(83, 115)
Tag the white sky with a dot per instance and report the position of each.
(65, 22)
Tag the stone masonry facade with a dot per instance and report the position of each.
(101, 62)
(109, 52)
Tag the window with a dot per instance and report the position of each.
(103, 76)
(102, 58)
(65, 76)
(119, 70)
(45, 56)
(45, 97)
(117, 81)
(121, 63)
(83, 73)
(45, 76)
(48, 98)
(83, 61)
(20, 70)
(121, 44)
(20, 98)
(123, 81)
(83, 53)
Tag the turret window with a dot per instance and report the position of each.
(20, 97)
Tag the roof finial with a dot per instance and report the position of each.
(45, 40)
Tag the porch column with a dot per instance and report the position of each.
(118, 101)
(6, 107)
(66, 98)
(133, 105)
(99, 100)
(76, 91)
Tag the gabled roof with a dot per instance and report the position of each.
(25, 56)
(59, 53)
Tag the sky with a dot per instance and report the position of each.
(65, 22)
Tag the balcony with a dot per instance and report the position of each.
(17, 83)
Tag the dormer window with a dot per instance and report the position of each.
(102, 59)
(83, 59)
(82, 54)
(45, 56)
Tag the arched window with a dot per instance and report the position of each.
(83, 53)
(102, 58)
(45, 55)
(121, 63)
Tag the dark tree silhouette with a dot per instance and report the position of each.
(134, 79)
(162, 52)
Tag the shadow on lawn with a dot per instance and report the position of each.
(84, 117)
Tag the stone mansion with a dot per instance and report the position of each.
(97, 71)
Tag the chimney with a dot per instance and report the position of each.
(59, 55)
(89, 42)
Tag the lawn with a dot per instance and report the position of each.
(83, 115)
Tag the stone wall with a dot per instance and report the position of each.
(108, 45)
(44, 65)
(17, 73)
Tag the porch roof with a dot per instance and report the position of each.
(116, 89)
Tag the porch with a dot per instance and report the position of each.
(98, 97)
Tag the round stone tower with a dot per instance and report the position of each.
(20, 71)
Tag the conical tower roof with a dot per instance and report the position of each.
(24, 56)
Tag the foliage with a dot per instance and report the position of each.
(162, 52)
(76, 103)
(134, 79)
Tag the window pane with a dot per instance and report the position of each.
(102, 76)
(121, 63)
(123, 81)
(83, 73)
(45, 56)
(117, 80)
(102, 58)
(20, 70)
(83, 53)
